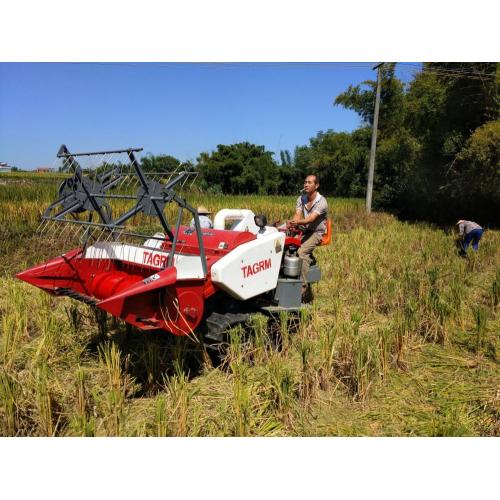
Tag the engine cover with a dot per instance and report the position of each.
(251, 268)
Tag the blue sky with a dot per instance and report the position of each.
(169, 108)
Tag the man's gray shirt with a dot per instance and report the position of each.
(319, 206)
(466, 226)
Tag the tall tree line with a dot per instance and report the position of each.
(437, 150)
(439, 141)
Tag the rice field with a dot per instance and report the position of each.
(402, 339)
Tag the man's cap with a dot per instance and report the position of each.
(203, 210)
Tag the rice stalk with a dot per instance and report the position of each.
(261, 337)
(241, 399)
(44, 400)
(307, 371)
(161, 417)
(83, 422)
(9, 392)
(110, 359)
(180, 397)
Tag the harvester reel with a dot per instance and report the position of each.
(76, 190)
(144, 197)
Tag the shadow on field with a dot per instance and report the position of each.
(152, 358)
(149, 358)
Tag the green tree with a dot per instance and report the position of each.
(437, 139)
(445, 104)
(302, 158)
(339, 158)
(286, 158)
(396, 147)
(474, 180)
(242, 168)
(361, 99)
(161, 163)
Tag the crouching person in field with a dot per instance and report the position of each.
(311, 212)
(469, 232)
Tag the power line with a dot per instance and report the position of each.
(450, 70)
(453, 73)
(451, 76)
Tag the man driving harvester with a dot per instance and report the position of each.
(311, 212)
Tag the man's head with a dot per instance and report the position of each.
(311, 184)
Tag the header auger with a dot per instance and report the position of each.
(183, 280)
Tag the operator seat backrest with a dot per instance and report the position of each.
(327, 237)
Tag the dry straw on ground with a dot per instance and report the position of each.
(402, 339)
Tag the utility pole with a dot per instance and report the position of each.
(371, 168)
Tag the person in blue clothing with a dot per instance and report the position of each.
(469, 232)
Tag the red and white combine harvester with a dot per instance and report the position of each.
(182, 280)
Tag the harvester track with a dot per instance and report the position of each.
(219, 324)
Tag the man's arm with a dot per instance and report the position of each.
(299, 219)
(297, 216)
